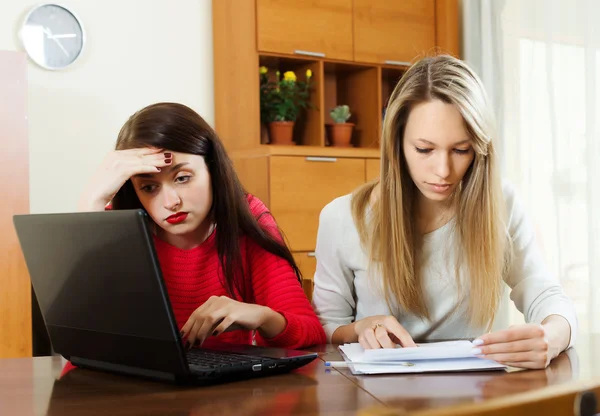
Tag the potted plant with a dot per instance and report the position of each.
(281, 101)
(340, 133)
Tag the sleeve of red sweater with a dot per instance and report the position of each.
(276, 286)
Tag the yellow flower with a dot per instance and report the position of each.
(289, 76)
(308, 74)
(263, 70)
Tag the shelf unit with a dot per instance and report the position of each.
(357, 51)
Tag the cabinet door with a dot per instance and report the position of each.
(373, 168)
(393, 31)
(301, 186)
(307, 263)
(309, 27)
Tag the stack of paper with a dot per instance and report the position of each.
(432, 357)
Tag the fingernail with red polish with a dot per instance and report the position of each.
(167, 160)
(167, 155)
(215, 333)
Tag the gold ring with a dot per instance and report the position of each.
(377, 325)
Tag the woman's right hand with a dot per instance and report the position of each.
(116, 168)
(382, 331)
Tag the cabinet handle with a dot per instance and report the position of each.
(311, 254)
(309, 53)
(399, 63)
(320, 159)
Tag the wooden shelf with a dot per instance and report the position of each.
(363, 87)
(307, 151)
(389, 79)
(356, 86)
(309, 128)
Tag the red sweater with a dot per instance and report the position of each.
(192, 276)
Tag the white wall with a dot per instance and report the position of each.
(137, 53)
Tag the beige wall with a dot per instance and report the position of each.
(137, 53)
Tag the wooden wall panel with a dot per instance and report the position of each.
(15, 286)
(235, 61)
(447, 27)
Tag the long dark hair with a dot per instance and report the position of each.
(178, 128)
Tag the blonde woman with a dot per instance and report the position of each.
(423, 252)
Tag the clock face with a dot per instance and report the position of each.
(52, 36)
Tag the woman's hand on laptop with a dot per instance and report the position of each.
(220, 314)
(117, 168)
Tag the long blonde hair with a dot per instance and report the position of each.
(388, 232)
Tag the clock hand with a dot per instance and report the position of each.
(49, 35)
(60, 45)
(62, 36)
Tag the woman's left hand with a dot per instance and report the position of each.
(220, 314)
(524, 346)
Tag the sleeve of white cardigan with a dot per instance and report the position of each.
(333, 297)
(534, 291)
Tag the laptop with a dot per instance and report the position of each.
(105, 305)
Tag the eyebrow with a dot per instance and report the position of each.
(173, 168)
(454, 144)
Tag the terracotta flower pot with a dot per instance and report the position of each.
(340, 134)
(281, 132)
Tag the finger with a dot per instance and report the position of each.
(212, 320)
(517, 357)
(225, 324)
(192, 334)
(539, 344)
(370, 337)
(196, 315)
(394, 327)
(363, 342)
(383, 338)
(532, 365)
(141, 151)
(208, 305)
(143, 169)
(515, 333)
(162, 157)
(185, 329)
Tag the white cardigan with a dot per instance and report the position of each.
(343, 293)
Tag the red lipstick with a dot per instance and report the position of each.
(177, 218)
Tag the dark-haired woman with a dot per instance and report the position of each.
(228, 272)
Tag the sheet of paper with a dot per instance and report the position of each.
(444, 356)
(434, 350)
(428, 366)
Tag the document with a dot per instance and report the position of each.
(430, 357)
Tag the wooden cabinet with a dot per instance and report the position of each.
(372, 169)
(307, 263)
(345, 44)
(311, 27)
(393, 31)
(301, 186)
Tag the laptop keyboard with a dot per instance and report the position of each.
(213, 359)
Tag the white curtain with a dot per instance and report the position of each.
(540, 62)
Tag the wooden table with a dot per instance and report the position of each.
(31, 386)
